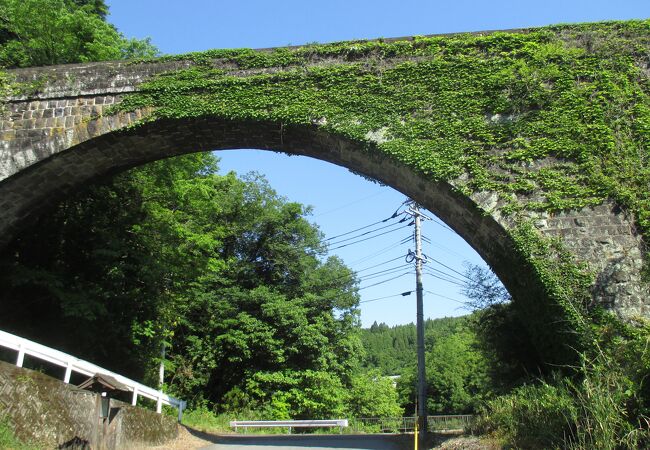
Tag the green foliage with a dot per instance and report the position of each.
(535, 416)
(603, 397)
(457, 374)
(203, 419)
(373, 395)
(458, 104)
(483, 288)
(604, 404)
(305, 394)
(8, 440)
(44, 32)
(227, 274)
(458, 370)
(507, 346)
(458, 367)
(389, 349)
(566, 293)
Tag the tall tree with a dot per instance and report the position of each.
(45, 32)
(226, 272)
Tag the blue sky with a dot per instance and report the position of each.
(343, 201)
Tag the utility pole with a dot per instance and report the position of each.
(414, 211)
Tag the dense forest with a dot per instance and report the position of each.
(458, 372)
(234, 283)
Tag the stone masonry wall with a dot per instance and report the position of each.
(51, 413)
(38, 129)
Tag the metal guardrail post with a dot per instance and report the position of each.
(159, 402)
(68, 373)
(21, 356)
(181, 407)
(134, 398)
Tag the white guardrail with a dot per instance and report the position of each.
(72, 364)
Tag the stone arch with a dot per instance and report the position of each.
(42, 184)
(114, 148)
(342, 103)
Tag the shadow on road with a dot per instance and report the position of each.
(314, 442)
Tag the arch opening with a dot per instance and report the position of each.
(38, 187)
(41, 185)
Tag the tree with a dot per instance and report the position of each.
(226, 272)
(483, 288)
(45, 32)
(457, 374)
(373, 395)
(500, 331)
(457, 369)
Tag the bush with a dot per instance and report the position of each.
(596, 412)
(532, 416)
(604, 397)
(204, 419)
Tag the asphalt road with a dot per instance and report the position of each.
(322, 442)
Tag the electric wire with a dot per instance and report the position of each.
(364, 227)
(379, 252)
(448, 275)
(385, 281)
(366, 233)
(448, 298)
(403, 294)
(442, 224)
(365, 239)
(349, 204)
(445, 279)
(377, 265)
(372, 274)
(448, 250)
(453, 270)
(384, 272)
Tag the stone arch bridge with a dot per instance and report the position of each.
(515, 139)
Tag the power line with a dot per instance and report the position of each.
(384, 272)
(445, 279)
(350, 204)
(377, 265)
(448, 250)
(365, 233)
(448, 275)
(364, 227)
(444, 296)
(385, 281)
(366, 239)
(403, 294)
(453, 270)
(379, 252)
(442, 224)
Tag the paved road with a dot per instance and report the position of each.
(324, 442)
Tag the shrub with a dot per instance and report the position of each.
(532, 416)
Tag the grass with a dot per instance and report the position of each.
(8, 439)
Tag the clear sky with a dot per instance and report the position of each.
(343, 201)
